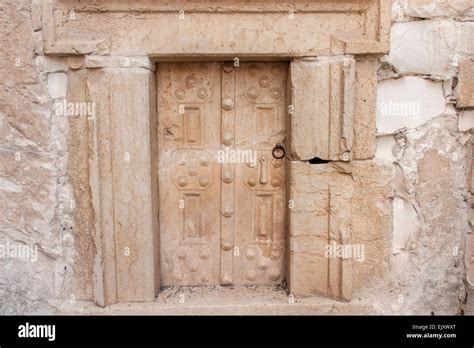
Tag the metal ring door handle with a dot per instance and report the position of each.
(279, 151)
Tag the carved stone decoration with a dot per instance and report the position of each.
(166, 211)
(260, 190)
(188, 138)
(251, 216)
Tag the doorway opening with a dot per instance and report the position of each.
(222, 179)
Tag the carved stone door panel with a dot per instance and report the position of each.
(221, 191)
(260, 186)
(189, 177)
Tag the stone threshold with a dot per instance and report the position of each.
(243, 300)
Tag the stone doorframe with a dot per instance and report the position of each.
(112, 48)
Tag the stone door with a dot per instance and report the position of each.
(222, 189)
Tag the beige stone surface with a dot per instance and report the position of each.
(108, 266)
(247, 300)
(466, 120)
(123, 195)
(32, 176)
(322, 102)
(91, 61)
(469, 261)
(431, 47)
(222, 218)
(439, 218)
(83, 188)
(290, 27)
(457, 9)
(79, 139)
(345, 204)
(469, 257)
(365, 105)
(408, 102)
(465, 87)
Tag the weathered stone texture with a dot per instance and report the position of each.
(465, 87)
(31, 173)
(430, 47)
(408, 102)
(323, 103)
(351, 208)
(443, 213)
(79, 139)
(413, 9)
(334, 98)
(365, 104)
(430, 218)
(469, 257)
(466, 120)
(409, 207)
(310, 224)
(266, 33)
(124, 195)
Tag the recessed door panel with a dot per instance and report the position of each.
(189, 187)
(260, 194)
(222, 192)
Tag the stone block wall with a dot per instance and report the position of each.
(424, 123)
(35, 203)
(420, 176)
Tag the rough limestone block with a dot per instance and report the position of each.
(470, 260)
(465, 87)
(466, 120)
(322, 97)
(424, 47)
(405, 225)
(408, 102)
(431, 47)
(458, 9)
(57, 85)
(465, 33)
